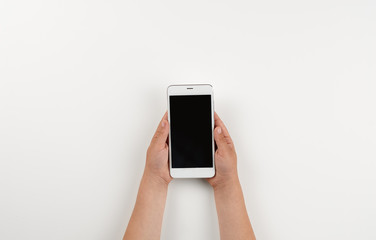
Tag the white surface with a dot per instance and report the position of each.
(83, 86)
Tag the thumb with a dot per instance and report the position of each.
(160, 135)
(220, 139)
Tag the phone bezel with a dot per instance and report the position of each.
(191, 89)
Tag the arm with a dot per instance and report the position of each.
(232, 213)
(146, 219)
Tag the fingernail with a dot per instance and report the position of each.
(163, 124)
(219, 130)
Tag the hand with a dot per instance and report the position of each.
(225, 156)
(156, 166)
(146, 219)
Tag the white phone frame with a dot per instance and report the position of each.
(191, 89)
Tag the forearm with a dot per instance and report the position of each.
(146, 219)
(232, 213)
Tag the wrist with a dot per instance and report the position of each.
(226, 184)
(155, 181)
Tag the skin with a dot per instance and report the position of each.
(146, 220)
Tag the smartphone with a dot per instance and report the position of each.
(191, 139)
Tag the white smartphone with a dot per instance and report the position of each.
(191, 139)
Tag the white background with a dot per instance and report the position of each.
(83, 87)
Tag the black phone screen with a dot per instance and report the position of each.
(191, 131)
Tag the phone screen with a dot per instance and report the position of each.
(191, 131)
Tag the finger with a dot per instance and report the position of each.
(161, 134)
(221, 140)
(219, 123)
(165, 116)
